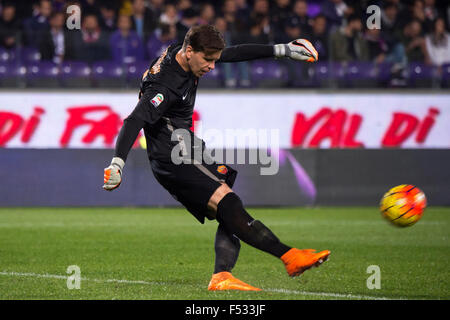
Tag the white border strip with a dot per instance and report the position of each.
(290, 292)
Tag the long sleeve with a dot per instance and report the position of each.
(245, 52)
(148, 111)
(127, 136)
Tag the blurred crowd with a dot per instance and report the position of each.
(136, 30)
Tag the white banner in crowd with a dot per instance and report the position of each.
(235, 119)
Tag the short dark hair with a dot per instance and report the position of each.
(205, 38)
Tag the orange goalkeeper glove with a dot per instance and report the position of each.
(300, 49)
(113, 174)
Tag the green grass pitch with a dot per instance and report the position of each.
(159, 254)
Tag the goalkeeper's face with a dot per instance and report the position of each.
(200, 63)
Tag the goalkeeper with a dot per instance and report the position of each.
(165, 108)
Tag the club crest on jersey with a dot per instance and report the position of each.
(156, 100)
(222, 169)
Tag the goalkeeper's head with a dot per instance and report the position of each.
(202, 47)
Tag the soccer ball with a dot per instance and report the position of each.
(403, 205)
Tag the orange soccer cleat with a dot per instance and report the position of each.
(297, 261)
(225, 281)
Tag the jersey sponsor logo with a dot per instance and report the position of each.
(222, 169)
(156, 100)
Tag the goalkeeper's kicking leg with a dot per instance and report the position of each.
(235, 223)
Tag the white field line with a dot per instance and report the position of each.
(289, 292)
(55, 276)
(332, 295)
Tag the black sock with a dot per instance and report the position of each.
(227, 248)
(237, 221)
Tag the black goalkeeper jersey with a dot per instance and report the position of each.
(166, 102)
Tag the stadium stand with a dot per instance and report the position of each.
(118, 39)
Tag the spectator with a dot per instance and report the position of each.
(391, 27)
(243, 10)
(336, 12)
(300, 17)
(414, 42)
(55, 45)
(229, 76)
(260, 29)
(125, 44)
(347, 43)
(425, 16)
(438, 44)
(417, 12)
(391, 33)
(189, 18)
(403, 13)
(229, 10)
(291, 31)
(377, 46)
(296, 24)
(183, 5)
(207, 14)
(143, 20)
(221, 25)
(261, 8)
(161, 38)
(59, 5)
(89, 7)
(157, 7)
(108, 18)
(258, 33)
(319, 36)
(35, 26)
(91, 43)
(280, 12)
(24, 8)
(238, 28)
(169, 15)
(232, 71)
(9, 27)
(431, 14)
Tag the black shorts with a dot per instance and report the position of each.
(193, 184)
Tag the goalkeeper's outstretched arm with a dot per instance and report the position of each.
(300, 49)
